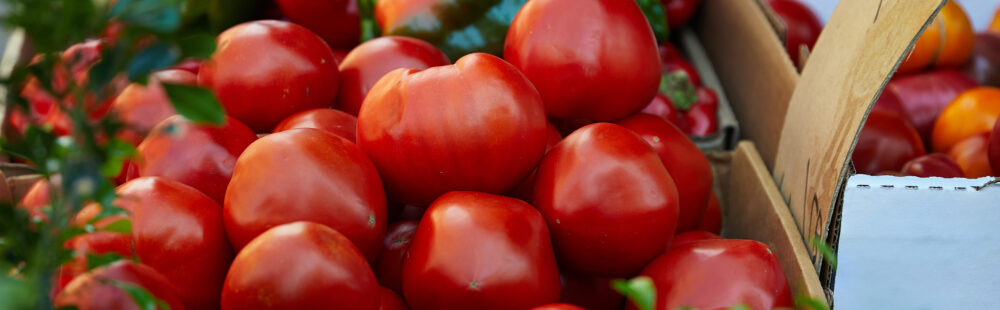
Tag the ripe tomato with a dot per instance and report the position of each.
(711, 221)
(368, 62)
(37, 199)
(336, 122)
(306, 174)
(689, 237)
(994, 149)
(559, 306)
(264, 71)
(972, 155)
(599, 189)
(593, 293)
(92, 243)
(886, 143)
(595, 59)
(972, 112)
(389, 268)
(679, 12)
(679, 64)
(178, 231)
(995, 23)
(922, 96)
(662, 106)
(388, 300)
(476, 125)
(142, 107)
(718, 274)
(802, 27)
(95, 289)
(933, 165)
(525, 190)
(337, 21)
(199, 155)
(946, 42)
(683, 160)
(480, 251)
(300, 265)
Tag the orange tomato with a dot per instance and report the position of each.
(995, 24)
(971, 155)
(947, 41)
(972, 112)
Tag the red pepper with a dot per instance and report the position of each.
(682, 101)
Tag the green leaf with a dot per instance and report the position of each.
(199, 46)
(826, 251)
(640, 290)
(740, 307)
(194, 103)
(806, 302)
(656, 17)
(152, 58)
(98, 260)
(369, 28)
(678, 87)
(161, 16)
(122, 226)
(117, 151)
(141, 296)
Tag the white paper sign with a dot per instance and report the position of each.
(918, 243)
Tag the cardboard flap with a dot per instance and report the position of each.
(859, 48)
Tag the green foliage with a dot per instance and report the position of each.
(806, 302)
(369, 28)
(678, 87)
(639, 290)
(656, 17)
(196, 104)
(828, 254)
(141, 296)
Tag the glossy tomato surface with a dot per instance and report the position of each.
(389, 300)
(610, 203)
(86, 245)
(368, 62)
(662, 106)
(592, 293)
(389, 267)
(972, 154)
(591, 59)
(476, 125)
(922, 96)
(306, 175)
(142, 107)
(886, 142)
(712, 220)
(933, 165)
(94, 291)
(679, 12)
(691, 236)
(480, 251)
(719, 274)
(300, 265)
(264, 71)
(559, 306)
(199, 155)
(802, 27)
(336, 122)
(336, 21)
(525, 190)
(973, 111)
(178, 231)
(685, 162)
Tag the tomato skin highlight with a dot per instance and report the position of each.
(368, 62)
(336, 122)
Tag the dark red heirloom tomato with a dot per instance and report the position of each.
(718, 274)
(476, 125)
(300, 265)
(264, 71)
(178, 231)
(599, 189)
(802, 27)
(388, 300)
(993, 149)
(306, 174)
(480, 251)
(887, 141)
(336, 122)
(593, 293)
(336, 21)
(199, 155)
(142, 107)
(389, 268)
(368, 62)
(691, 236)
(933, 165)
(591, 59)
(559, 306)
(95, 290)
(685, 162)
(712, 220)
(679, 12)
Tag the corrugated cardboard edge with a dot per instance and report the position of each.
(750, 61)
(753, 209)
(729, 129)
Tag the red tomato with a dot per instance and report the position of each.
(525, 190)
(142, 107)
(802, 27)
(300, 265)
(669, 52)
(190, 65)
(679, 64)
(178, 231)
(306, 174)
(972, 155)
(712, 220)
(96, 243)
(595, 59)
(336, 21)
(889, 102)
(718, 274)
(480, 251)
(702, 117)
(689, 237)
(974, 111)
(683, 160)
(336, 122)
(94, 290)
(559, 306)
(599, 189)
(886, 143)
(924, 95)
(476, 125)
(37, 199)
(662, 106)
(388, 300)
(679, 12)
(593, 293)
(994, 149)
(371, 60)
(389, 268)
(264, 71)
(199, 155)
(933, 165)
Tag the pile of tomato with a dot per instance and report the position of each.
(938, 116)
(388, 177)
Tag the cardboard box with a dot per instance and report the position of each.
(728, 133)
